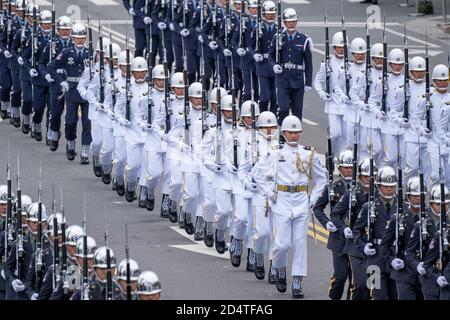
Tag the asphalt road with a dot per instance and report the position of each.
(189, 270)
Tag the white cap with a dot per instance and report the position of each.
(291, 123)
(246, 108)
(139, 64)
(177, 80)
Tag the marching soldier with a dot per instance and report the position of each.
(121, 278)
(291, 59)
(137, 10)
(291, 169)
(148, 286)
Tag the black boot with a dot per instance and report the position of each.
(272, 275)
(120, 188)
(70, 150)
(250, 260)
(297, 290)
(165, 206)
(220, 244)
(198, 234)
(281, 280)
(129, 192)
(150, 203)
(36, 131)
(172, 215)
(25, 126)
(142, 197)
(188, 225)
(180, 217)
(96, 166)
(259, 268)
(106, 178)
(235, 252)
(208, 238)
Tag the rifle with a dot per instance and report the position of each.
(422, 215)
(368, 67)
(346, 62)
(101, 69)
(384, 78)
(327, 54)
(166, 71)
(127, 82)
(2, 23)
(55, 252)
(185, 78)
(34, 38)
(109, 289)
(127, 256)
(65, 283)
(443, 230)
(202, 73)
(279, 43)
(352, 200)
(111, 70)
(219, 129)
(234, 126)
(428, 105)
(399, 222)
(242, 26)
(19, 247)
(85, 289)
(53, 34)
(330, 169)
(371, 216)
(254, 143)
(259, 32)
(150, 69)
(406, 85)
(213, 19)
(90, 49)
(39, 262)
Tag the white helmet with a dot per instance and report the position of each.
(158, 72)
(177, 80)
(289, 14)
(148, 283)
(246, 108)
(135, 271)
(252, 4)
(413, 189)
(435, 196)
(115, 51)
(100, 257)
(213, 95)
(30, 8)
(417, 64)
(440, 72)
(267, 119)
(122, 58)
(73, 233)
(59, 221)
(395, 56)
(345, 158)
(3, 193)
(78, 31)
(105, 42)
(227, 103)
(377, 50)
(26, 201)
(46, 16)
(337, 40)
(91, 247)
(291, 123)
(64, 22)
(139, 64)
(33, 213)
(195, 90)
(358, 45)
(269, 7)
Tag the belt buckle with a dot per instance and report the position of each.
(291, 189)
(288, 65)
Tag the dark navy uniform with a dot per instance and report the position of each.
(73, 62)
(138, 25)
(161, 13)
(5, 44)
(264, 71)
(430, 290)
(336, 242)
(97, 290)
(233, 63)
(32, 284)
(296, 61)
(56, 105)
(407, 282)
(383, 213)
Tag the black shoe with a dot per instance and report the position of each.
(4, 114)
(70, 153)
(150, 204)
(164, 213)
(106, 178)
(38, 136)
(250, 266)
(188, 227)
(281, 285)
(25, 128)
(271, 278)
(221, 246)
(260, 273)
(198, 236)
(173, 216)
(84, 160)
(97, 169)
(298, 293)
(181, 223)
(53, 145)
(235, 260)
(120, 189)
(16, 123)
(47, 142)
(129, 195)
(208, 239)
(142, 203)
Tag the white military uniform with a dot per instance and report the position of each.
(293, 167)
(333, 107)
(120, 151)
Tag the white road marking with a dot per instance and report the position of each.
(104, 2)
(310, 122)
(43, 3)
(297, 1)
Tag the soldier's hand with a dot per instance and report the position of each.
(7, 54)
(33, 73)
(184, 33)
(200, 38)
(273, 196)
(213, 45)
(20, 61)
(49, 78)
(241, 52)
(421, 270)
(111, 114)
(344, 98)
(348, 233)
(251, 186)
(331, 227)
(34, 296)
(368, 250)
(2, 274)
(18, 285)
(397, 264)
(147, 20)
(258, 57)
(131, 12)
(233, 169)
(171, 27)
(126, 123)
(227, 52)
(324, 96)
(64, 86)
(307, 88)
(366, 108)
(99, 106)
(213, 167)
(441, 281)
(381, 115)
(162, 26)
(277, 69)
(425, 133)
(405, 123)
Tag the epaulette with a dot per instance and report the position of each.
(309, 148)
(213, 125)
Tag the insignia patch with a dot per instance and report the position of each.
(432, 244)
(70, 61)
(281, 159)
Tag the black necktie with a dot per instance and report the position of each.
(388, 209)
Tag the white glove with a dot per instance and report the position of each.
(200, 39)
(441, 281)
(60, 71)
(405, 123)
(307, 88)
(331, 227)
(49, 78)
(64, 86)
(131, 12)
(421, 270)
(214, 167)
(368, 250)
(184, 33)
(18, 285)
(99, 106)
(227, 52)
(425, 133)
(213, 45)
(2, 273)
(171, 27)
(397, 264)
(34, 296)
(365, 108)
(273, 196)
(111, 114)
(277, 69)
(165, 137)
(33, 73)
(233, 169)
(258, 57)
(7, 54)
(147, 20)
(348, 233)
(344, 98)
(324, 96)
(251, 186)
(162, 26)
(20, 61)
(124, 122)
(381, 115)
(143, 125)
(241, 52)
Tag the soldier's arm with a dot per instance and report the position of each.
(319, 178)
(47, 285)
(26, 54)
(57, 64)
(412, 247)
(319, 208)
(432, 254)
(43, 60)
(92, 89)
(126, 4)
(355, 88)
(261, 170)
(84, 83)
(10, 265)
(308, 62)
(320, 78)
(387, 241)
(359, 233)
(15, 44)
(340, 209)
(272, 51)
(31, 277)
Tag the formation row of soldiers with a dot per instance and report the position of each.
(147, 125)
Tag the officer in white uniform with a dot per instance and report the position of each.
(333, 104)
(291, 169)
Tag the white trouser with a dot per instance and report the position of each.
(390, 148)
(120, 156)
(158, 166)
(349, 135)
(191, 192)
(209, 207)
(411, 162)
(224, 203)
(271, 245)
(433, 159)
(96, 133)
(134, 158)
(239, 223)
(291, 232)
(261, 229)
(143, 168)
(176, 181)
(337, 132)
(107, 150)
(364, 139)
